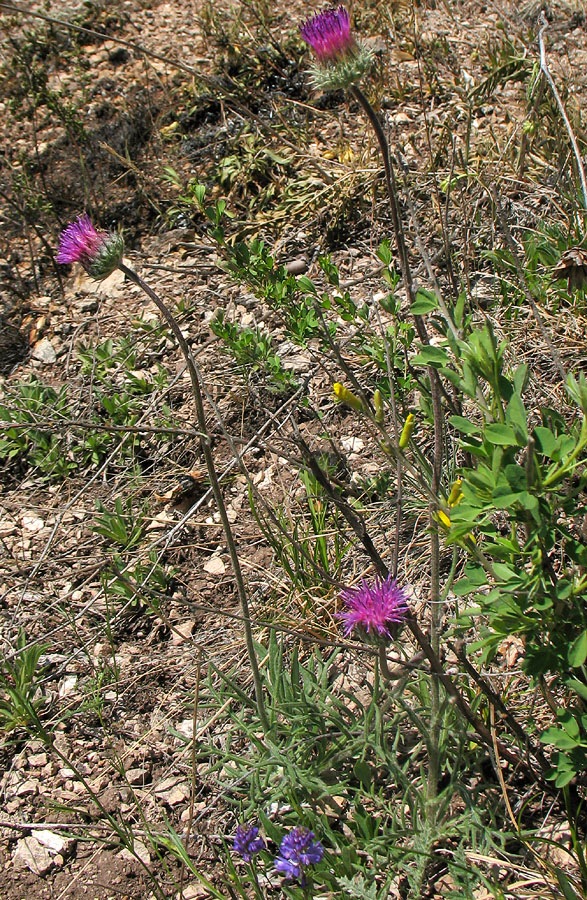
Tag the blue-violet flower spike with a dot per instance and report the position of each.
(375, 607)
(246, 842)
(99, 252)
(298, 850)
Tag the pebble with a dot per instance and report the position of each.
(30, 854)
(297, 266)
(138, 777)
(44, 352)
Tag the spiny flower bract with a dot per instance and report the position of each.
(247, 842)
(374, 607)
(99, 252)
(298, 850)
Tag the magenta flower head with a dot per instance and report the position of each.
(340, 59)
(298, 850)
(329, 34)
(99, 252)
(246, 842)
(374, 608)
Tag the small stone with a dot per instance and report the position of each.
(172, 790)
(297, 266)
(215, 566)
(138, 777)
(32, 523)
(140, 850)
(44, 352)
(352, 444)
(30, 854)
(36, 760)
(67, 685)
(182, 632)
(195, 891)
(89, 305)
(177, 795)
(111, 286)
(54, 842)
(27, 789)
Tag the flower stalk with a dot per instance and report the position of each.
(100, 253)
(216, 489)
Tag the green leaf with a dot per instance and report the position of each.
(575, 685)
(561, 739)
(578, 651)
(424, 303)
(431, 356)
(200, 193)
(503, 435)
(306, 284)
(516, 417)
(363, 773)
(465, 426)
(384, 253)
(565, 885)
(563, 778)
(569, 723)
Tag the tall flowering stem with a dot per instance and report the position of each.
(209, 459)
(100, 253)
(391, 186)
(435, 593)
(329, 78)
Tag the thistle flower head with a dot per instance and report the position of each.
(341, 61)
(246, 842)
(99, 252)
(329, 34)
(298, 850)
(375, 608)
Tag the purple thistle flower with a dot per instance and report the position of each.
(99, 252)
(374, 607)
(298, 850)
(329, 34)
(246, 842)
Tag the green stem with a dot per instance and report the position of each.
(214, 483)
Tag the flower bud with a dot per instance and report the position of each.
(379, 408)
(407, 431)
(456, 495)
(343, 395)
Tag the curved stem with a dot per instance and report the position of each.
(391, 192)
(214, 483)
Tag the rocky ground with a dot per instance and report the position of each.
(118, 117)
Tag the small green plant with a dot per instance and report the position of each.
(253, 350)
(24, 435)
(141, 584)
(120, 526)
(20, 697)
(307, 546)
